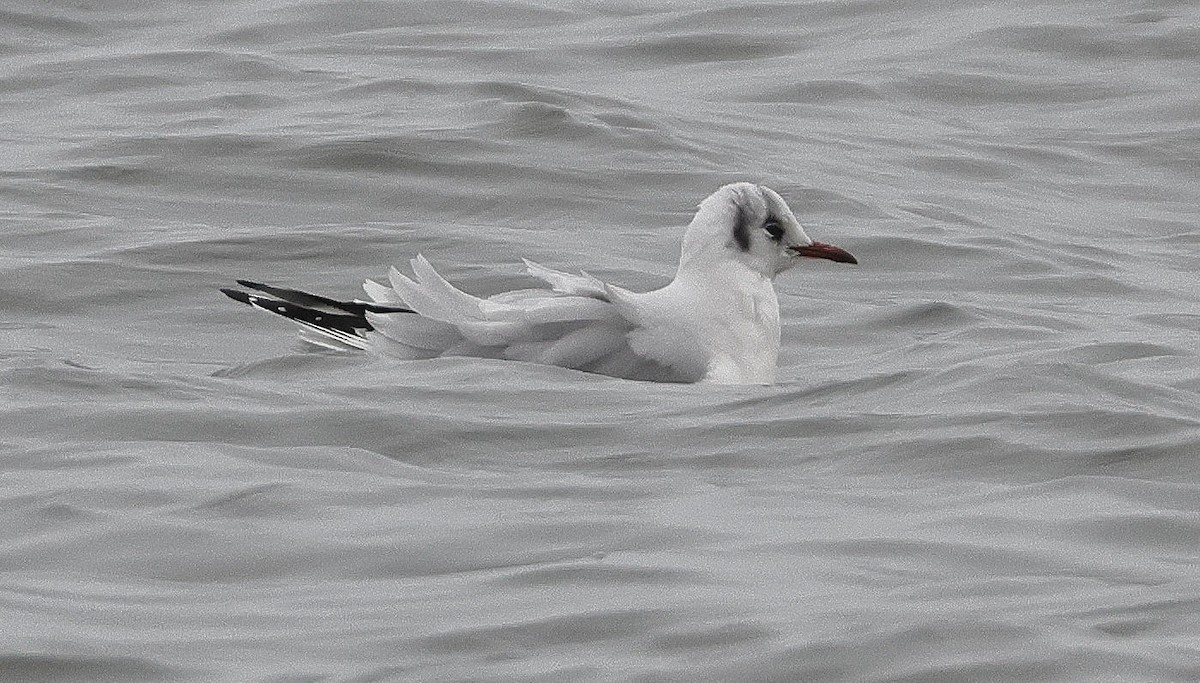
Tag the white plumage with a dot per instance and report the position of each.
(717, 320)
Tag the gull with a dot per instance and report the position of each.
(717, 321)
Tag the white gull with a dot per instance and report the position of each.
(717, 321)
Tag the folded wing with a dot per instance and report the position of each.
(579, 322)
(574, 324)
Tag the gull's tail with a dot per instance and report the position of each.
(333, 324)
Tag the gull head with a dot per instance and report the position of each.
(751, 225)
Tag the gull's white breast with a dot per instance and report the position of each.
(720, 328)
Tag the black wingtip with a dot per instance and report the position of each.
(237, 295)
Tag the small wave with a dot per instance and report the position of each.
(979, 89)
(1095, 42)
(692, 49)
(1112, 352)
(964, 167)
(43, 22)
(36, 667)
(388, 87)
(819, 92)
(926, 314)
(593, 628)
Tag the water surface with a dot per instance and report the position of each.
(978, 464)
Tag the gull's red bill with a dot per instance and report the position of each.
(825, 251)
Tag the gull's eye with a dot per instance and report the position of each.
(774, 229)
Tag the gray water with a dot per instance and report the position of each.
(979, 463)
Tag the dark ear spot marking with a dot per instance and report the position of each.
(741, 229)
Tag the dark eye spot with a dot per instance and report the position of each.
(774, 229)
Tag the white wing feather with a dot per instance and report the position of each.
(566, 283)
(382, 294)
(574, 324)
